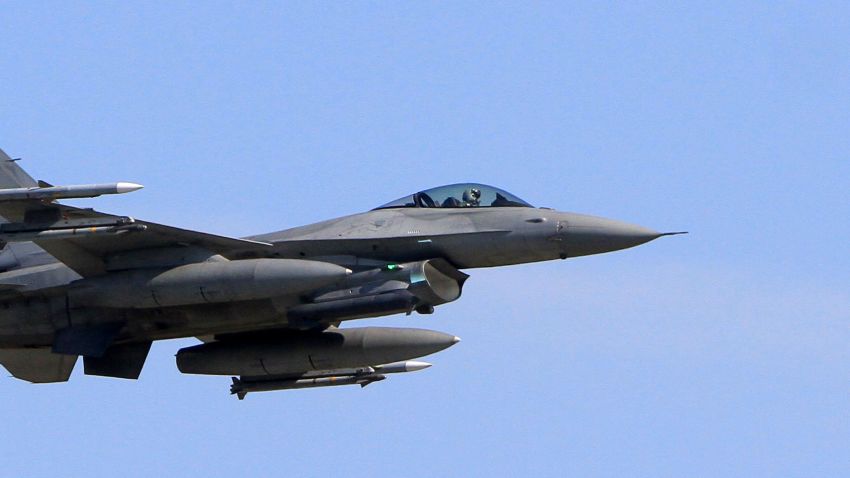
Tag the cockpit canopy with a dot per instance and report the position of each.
(459, 195)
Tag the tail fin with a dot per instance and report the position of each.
(12, 176)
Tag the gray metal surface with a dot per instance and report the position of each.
(80, 282)
(362, 376)
(38, 365)
(296, 352)
(205, 283)
(66, 192)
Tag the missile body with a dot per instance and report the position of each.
(67, 192)
(296, 353)
(71, 233)
(240, 388)
(68, 228)
(330, 378)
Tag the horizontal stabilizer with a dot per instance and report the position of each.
(38, 365)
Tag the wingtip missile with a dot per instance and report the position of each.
(49, 192)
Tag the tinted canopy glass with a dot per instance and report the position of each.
(459, 195)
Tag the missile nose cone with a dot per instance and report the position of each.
(122, 188)
(401, 367)
(455, 340)
(414, 366)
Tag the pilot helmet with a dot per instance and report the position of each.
(472, 196)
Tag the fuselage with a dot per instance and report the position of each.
(78, 282)
(464, 237)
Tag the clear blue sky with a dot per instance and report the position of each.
(722, 353)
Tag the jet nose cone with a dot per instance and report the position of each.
(587, 235)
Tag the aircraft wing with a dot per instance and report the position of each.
(86, 254)
(83, 239)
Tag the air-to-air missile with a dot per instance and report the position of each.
(49, 192)
(58, 232)
(331, 378)
(34, 230)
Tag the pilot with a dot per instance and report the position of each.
(471, 197)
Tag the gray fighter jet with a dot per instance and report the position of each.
(77, 282)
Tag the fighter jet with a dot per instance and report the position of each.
(267, 309)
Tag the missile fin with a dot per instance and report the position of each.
(237, 389)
